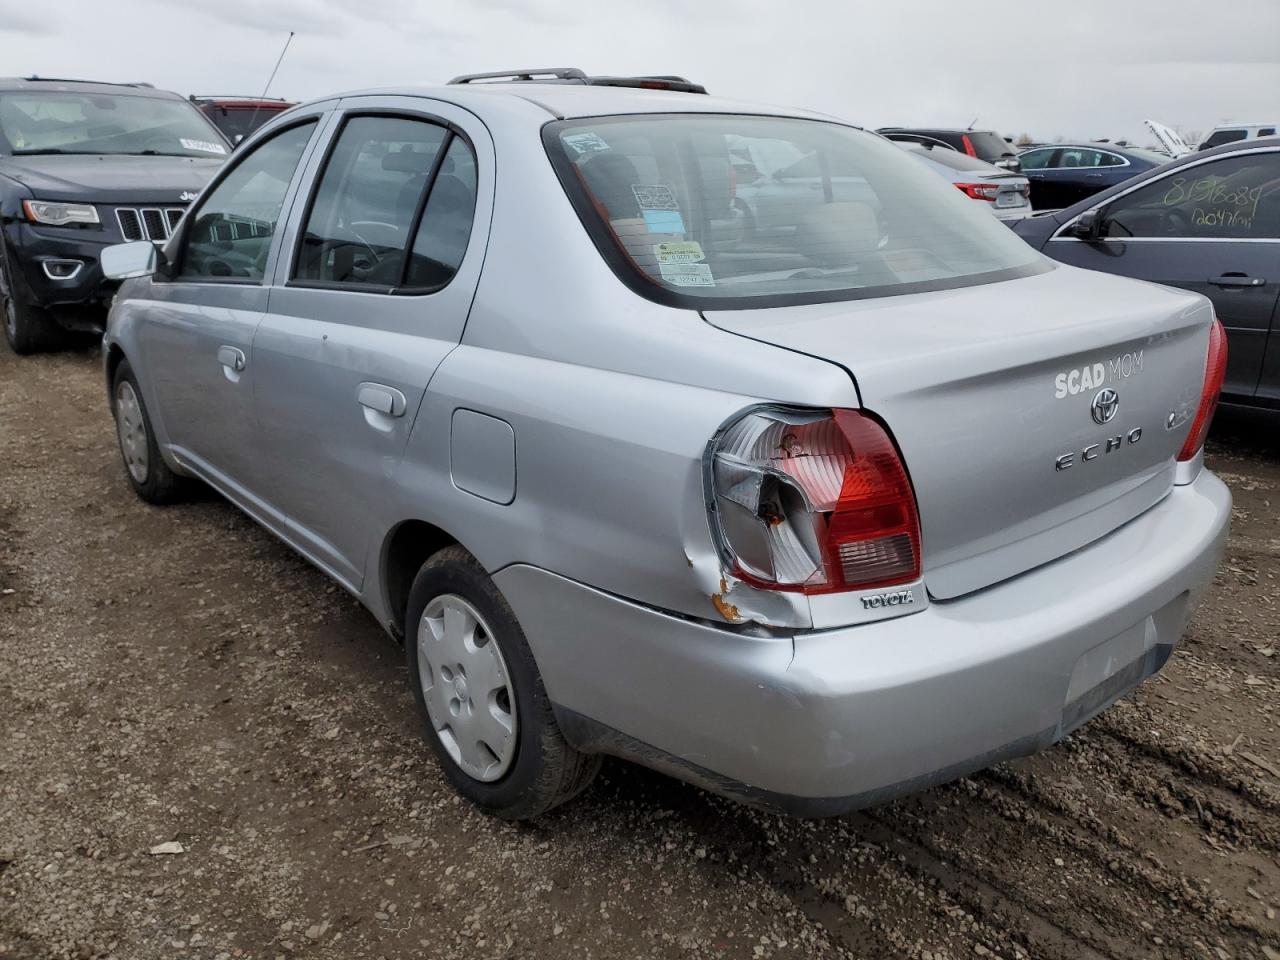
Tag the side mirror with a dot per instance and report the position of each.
(123, 261)
(1088, 226)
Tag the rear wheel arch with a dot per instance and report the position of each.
(406, 548)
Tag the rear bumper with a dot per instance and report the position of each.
(824, 722)
(1012, 214)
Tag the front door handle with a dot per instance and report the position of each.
(231, 358)
(382, 399)
(1237, 280)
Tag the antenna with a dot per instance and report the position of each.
(254, 119)
(972, 124)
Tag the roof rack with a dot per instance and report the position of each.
(101, 83)
(575, 75)
(197, 97)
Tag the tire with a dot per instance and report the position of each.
(27, 329)
(465, 714)
(148, 474)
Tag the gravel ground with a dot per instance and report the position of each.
(177, 675)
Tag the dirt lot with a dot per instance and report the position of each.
(178, 675)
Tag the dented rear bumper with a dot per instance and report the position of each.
(821, 722)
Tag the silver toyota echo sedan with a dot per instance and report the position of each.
(811, 505)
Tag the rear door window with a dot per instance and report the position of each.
(446, 221)
(359, 224)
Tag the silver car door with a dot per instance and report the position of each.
(197, 330)
(382, 265)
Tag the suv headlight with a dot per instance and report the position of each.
(59, 214)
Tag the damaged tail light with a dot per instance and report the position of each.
(1215, 371)
(816, 501)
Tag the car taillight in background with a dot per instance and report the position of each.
(968, 145)
(816, 501)
(1215, 371)
(979, 191)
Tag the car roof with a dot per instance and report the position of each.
(31, 84)
(937, 130)
(1109, 147)
(1233, 124)
(572, 101)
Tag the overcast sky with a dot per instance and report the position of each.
(1079, 68)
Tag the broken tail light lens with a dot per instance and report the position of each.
(1215, 371)
(816, 501)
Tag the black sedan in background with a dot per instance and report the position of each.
(1066, 173)
(1208, 222)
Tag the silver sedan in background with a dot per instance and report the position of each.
(1005, 194)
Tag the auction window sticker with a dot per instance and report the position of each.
(585, 144)
(204, 146)
(681, 251)
(687, 274)
(659, 207)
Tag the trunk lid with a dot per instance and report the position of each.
(987, 388)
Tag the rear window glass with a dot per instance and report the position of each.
(990, 146)
(1219, 137)
(736, 211)
(954, 160)
(239, 121)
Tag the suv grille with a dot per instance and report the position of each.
(148, 223)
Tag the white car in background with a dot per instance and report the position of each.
(1005, 194)
(1236, 131)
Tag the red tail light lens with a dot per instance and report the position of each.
(979, 191)
(1215, 371)
(813, 500)
(968, 145)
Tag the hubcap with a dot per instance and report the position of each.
(132, 431)
(470, 699)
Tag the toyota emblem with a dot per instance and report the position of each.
(1105, 405)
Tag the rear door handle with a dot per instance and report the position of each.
(1237, 280)
(381, 399)
(231, 358)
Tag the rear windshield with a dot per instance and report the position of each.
(239, 120)
(738, 211)
(955, 160)
(990, 146)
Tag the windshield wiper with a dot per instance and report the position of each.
(46, 151)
